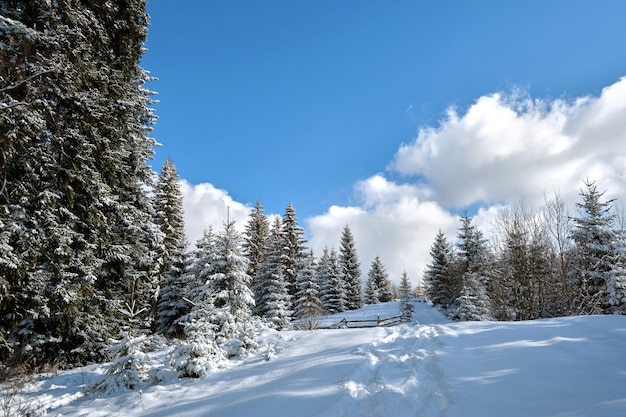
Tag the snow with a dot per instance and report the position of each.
(574, 366)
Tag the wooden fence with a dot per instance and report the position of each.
(377, 322)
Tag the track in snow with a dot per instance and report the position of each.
(400, 375)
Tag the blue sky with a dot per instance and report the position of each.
(328, 104)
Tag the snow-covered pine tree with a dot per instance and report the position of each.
(255, 246)
(74, 126)
(370, 295)
(350, 270)
(332, 292)
(130, 368)
(274, 299)
(307, 305)
(442, 288)
(197, 351)
(406, 298)
(617, 282)
(229, 282)
(293, 248)
(378, 284)
(474, 302)
(594, 253)
(168, 203)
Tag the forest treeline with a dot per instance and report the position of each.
(539, 263)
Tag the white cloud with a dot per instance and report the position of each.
(501, 150)
(204, 206)
(393, 222)
(505, 148)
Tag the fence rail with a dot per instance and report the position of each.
(377, 322)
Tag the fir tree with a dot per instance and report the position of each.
(197, 351)
(442, 288)
(169, 217)
(406, 296)
(274, 300)
(293, 248)
(474, 302)
(255, 243)
(307, 304)
(74, 144)
(617, 281)
(332, 291)
(594, 254)
(371, 291)
(350, 270)
(377, 287)
(229, 282)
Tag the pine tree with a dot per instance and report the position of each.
(332, 291)
(274, 303)
(406, 296)
(307, 305)
(255, 242)
(229, 282)
(617, 281)
(594, 254)
(350, 270)
(74, 126)
(169, 216)
(442, 288)
(371, 291)
(197, 351)
(474, 302)
(377, 287)
(293, 248)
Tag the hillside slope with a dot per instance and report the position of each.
(556, 367)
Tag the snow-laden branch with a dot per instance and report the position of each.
(25, 80)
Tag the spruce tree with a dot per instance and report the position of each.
(307, 304)
(293, 248)
(274, 301)
(474, 302)
(594, 253)
(255, 247)
(378, 284)
(370, 295)
(256, 237)
(350, 270)
(332, 291)
(197, 350)
(442, 288)
(229, 282)
(74, 144)
(406, 296)
(617, 281)
(168, 202)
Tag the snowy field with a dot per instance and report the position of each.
(556, 367)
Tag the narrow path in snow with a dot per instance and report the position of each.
(400, 375)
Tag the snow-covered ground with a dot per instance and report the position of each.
(561, 367)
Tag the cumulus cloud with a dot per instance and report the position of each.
(502, 149)
(393, 221)
(205, 205)
(506, 147)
